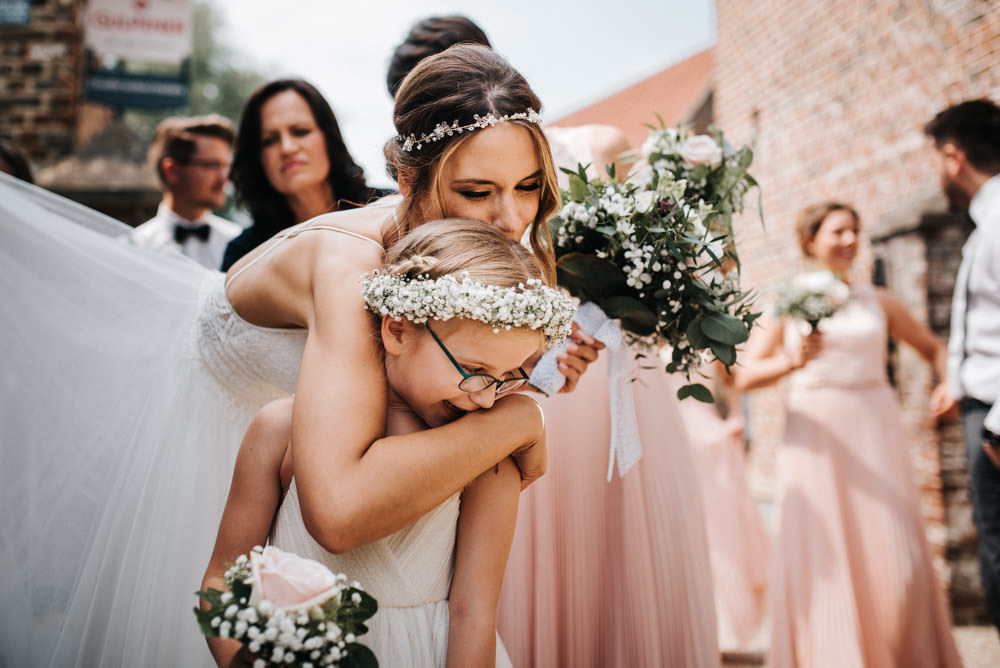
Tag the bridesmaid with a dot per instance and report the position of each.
(853, 583)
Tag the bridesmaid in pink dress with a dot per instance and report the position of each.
(610, 574)
(738, 543)
(852, 578)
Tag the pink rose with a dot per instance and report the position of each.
(290, 582)
(701, 150)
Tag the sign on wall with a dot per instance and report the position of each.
(138, 52)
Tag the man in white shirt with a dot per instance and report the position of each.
(192, 158)
(967, 142)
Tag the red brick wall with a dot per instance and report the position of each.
(833, 95)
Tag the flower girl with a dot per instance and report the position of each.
(461, 308)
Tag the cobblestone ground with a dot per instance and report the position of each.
(978, 645)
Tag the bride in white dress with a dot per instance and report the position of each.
(129, 378)
(434, 374)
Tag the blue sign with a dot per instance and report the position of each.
(15, 12)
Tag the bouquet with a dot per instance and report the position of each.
(290, 611)
(656, 252)
(812, 296)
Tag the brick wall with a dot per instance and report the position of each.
(833, 95)
(39, 82)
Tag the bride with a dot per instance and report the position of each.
(130, 377)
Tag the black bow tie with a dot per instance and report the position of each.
(200, 232)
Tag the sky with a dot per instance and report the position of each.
(572, 52)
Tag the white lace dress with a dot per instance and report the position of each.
(408, 573)
(127, 384)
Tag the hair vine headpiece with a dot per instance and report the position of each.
(531, 305)
(442, 130)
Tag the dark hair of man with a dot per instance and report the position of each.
(16, 160)
(269, 208)
(175, 138)
(972, 126)
(427, 37)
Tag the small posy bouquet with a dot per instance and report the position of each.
(290, 611)
(812, 296)
(652, 251)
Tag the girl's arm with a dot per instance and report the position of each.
(763, 362)
(904, 327)
(355, 485)
(253, 500)
(485, 531)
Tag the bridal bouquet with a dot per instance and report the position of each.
(290, 611)
(812, 296)
(653, 250)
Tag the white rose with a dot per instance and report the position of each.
(701, 150)
(644, 201)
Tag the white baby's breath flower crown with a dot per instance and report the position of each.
(531, 305)
(442, 129)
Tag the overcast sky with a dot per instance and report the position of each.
(572, 52)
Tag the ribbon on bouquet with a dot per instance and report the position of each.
(626, 447)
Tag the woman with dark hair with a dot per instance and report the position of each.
(290, 163)
(427, 37)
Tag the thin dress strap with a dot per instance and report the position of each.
(294, 231)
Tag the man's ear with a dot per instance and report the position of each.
(954, 159)
(171, 171)
(394, 334)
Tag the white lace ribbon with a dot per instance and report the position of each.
(626, 447)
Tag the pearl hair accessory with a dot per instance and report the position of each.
(442, 130)
(530, 305)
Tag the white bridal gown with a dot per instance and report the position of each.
(127, 383)
(408, 573)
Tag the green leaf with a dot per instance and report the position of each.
(589, 277)
(695, 336)
(358, 656)
(696, 391)
(636, 317)
(725, 353)
(578, 190)
(724, 328)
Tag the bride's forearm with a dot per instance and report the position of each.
(400, 478)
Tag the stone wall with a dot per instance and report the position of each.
(833, 95)
(39, 80)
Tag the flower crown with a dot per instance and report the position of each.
(532, 305)
(442, 130)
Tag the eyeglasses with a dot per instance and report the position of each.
(214, 165)
(477, 382)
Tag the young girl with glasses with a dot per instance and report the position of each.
(460, 308)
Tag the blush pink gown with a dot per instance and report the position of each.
(853, 583)
(611, 574)
(739, 545)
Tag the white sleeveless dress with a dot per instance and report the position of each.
(408, 573)
(126, 386)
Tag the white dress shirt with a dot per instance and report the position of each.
(158, 233)
(974, 345)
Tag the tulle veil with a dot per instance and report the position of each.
(117, 447)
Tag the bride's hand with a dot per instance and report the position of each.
(582, 351)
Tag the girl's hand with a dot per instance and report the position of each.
(581, 352)
(943, 405)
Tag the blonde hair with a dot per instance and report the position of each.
(455, 245)
(811, 219)
(456, 85)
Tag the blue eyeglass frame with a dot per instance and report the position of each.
(499, 383)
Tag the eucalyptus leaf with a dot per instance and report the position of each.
(589, 277)
(725, 353)
(725, 328)
(696, 391)
(695, 336)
